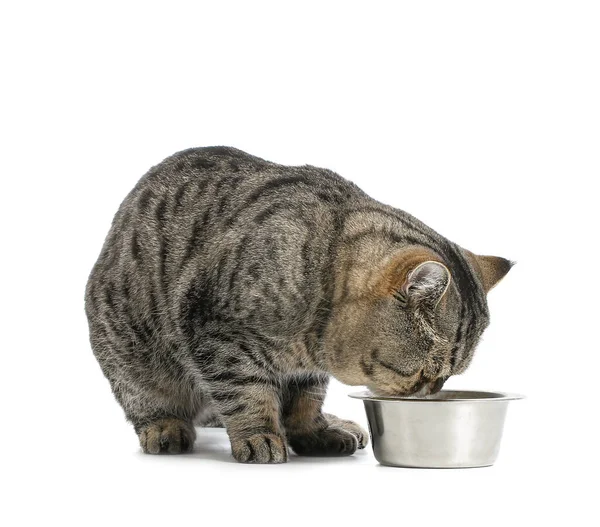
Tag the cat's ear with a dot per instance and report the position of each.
(426, 284)
(491, 269)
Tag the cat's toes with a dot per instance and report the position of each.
(350, 426)
(172, 436)
(260, 448)
(331, 441)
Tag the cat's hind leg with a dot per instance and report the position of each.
(168, 435)
(160, 409)
(146, 368)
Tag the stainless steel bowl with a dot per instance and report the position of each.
(450, 429)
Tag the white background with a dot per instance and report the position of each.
(480, 118)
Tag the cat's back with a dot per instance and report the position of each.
(230, 217)
(223, 184)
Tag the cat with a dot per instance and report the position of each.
(229, 289)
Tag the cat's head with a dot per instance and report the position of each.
(417, 321)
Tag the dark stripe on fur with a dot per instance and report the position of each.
(276, 184)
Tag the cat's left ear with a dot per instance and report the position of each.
(491, 269)
(425, 284)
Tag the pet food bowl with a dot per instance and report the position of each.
(450, 429)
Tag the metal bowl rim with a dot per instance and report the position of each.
(494, 396)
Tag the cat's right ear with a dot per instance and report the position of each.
(491, 269)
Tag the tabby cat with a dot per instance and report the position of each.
(229, 289)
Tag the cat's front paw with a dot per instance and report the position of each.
(260, 448)
(331, 441)
(350, 426)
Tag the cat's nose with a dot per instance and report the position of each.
(438, 384)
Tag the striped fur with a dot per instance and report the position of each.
(230, 288)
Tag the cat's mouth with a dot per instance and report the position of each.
(418, 390)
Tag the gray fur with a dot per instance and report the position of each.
(229, 288)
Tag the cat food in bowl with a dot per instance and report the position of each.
(449, 429)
